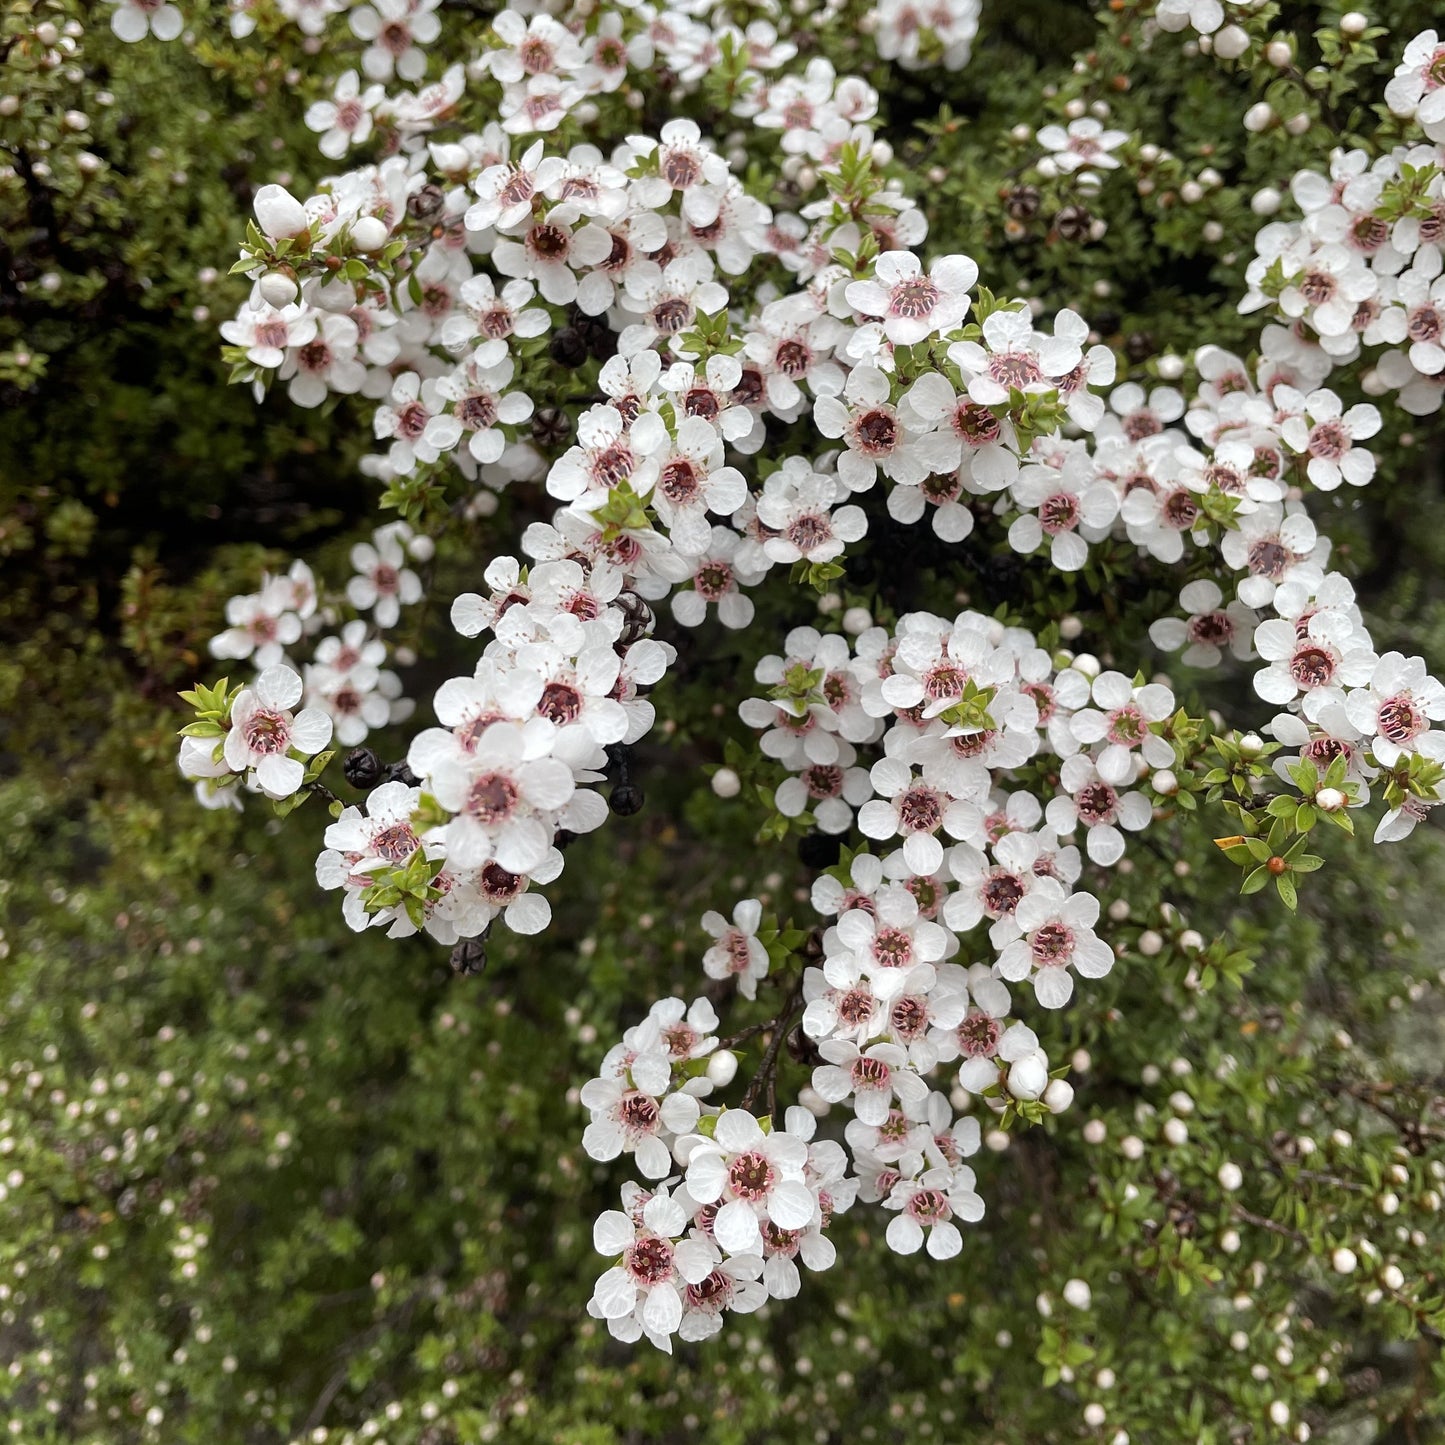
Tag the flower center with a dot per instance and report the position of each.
(1329, 439)
(1400, 720)
(268, 732)
(750, 1176)
(978, 1036)
(560, 703)
(1002, 893)
(1312, 667)
(893, 948)
(492, 798)
(909, 1018)
(649, 1261)
(1096, 803)
(638, 1112)
(396, 844)
(1051, 945)
(914, 298)
(807, 533)
(920, 811)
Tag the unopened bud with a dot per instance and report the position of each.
(278, 213)
(726, 783)
(1058, 1096)
(369, 233)
(722, 1068)
(1330, 800)
(1260, 116)
(1231, 42)
(1353, 24)
(278, 289)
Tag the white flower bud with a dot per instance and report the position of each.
(996, 1141)
(9, 104)
(1150, 943)
(1260, 116)
(722, 1068)
(726, 783)
(829, 603)
(1044, 1305)
(1165, 781)
(1191, 940)
(1132, 1147)
(1119, 910)
(881, 152)
(1088, 664)
(278, 289)
(279, 213)
(1212, 231)
(1330, 800)
(1081, 1061)
(1392, 1277)
(1094, 1131)
(1191, 193)
(1344, 1261)
(1070, 627)
(46, 33)
(1176, 1131)
(1278, 53)
(1353, 24)
(1231, 42)
(1251, 745)
(812, 1101)
(1297, 124)
(856, 620)
(1230, 1241)
(1078, 1294)
(1028, 1078)
(1093, 1414)
(369, 233)
(1058, 1096)
(1279, 1412)
(1388, 1203)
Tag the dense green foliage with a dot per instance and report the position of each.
(260, 1175)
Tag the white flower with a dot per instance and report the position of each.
(396, 28)
(753, 1177)
(1086, 145)
(383, 583)
(264, 732)
(504, 795)
(654, 1265)
(1017, 359)
(1397, 707)
(1330, 442)
(873, 1077)
(932, 1202)
(1098, 805)
(1208, 629)
(345, 119)
(1056, 932)
(1418, 86)
(912, 305)
(1122, 722)
(795, 504)
(737, 952)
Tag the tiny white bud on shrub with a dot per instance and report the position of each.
(369, 233)
(1344, 1261)
(722, 1068)
(1260, 116)
(1078, 1294)
(726, 783)
(1353, 24)
(1231, 42)
(1231, 1176)
(1278, 53)
(278, 289)
(278, 213)
(856, 620)
(1150, 943)
(1058, 1096)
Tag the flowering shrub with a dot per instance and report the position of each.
(649, 313)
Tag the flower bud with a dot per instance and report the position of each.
(1088, 664)
(1330, 800)
(1094, 1414)
(722, 1068)
(1058, 1096)
(1231, 1176)
(1251, 745)
(1344, 1261)
(1230, 1241)
(1260, 116)
(1353, 24)
(1151, 944)
(1176, 1132)
(1095, 1131)
(1392, 1277)
(1231, 42)
(1191, 940)
(1297, 125)
(1165, 781)
(856, 620)
(1078, 1294)
(279, 213)
(278, 289)
(726, 783)
(368, 233)
(1278, 53)
(1028, 1078)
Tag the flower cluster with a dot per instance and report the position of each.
(739, 425)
